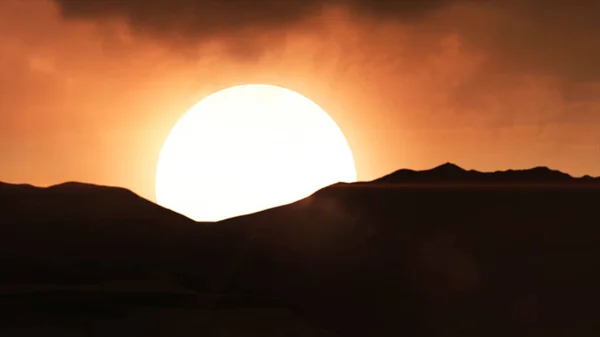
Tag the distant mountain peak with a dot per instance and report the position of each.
(451, 173)
(448, 167)
(74, 186)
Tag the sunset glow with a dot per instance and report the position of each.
(89, 90)
(248, 148)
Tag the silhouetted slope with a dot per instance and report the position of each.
(394, 257)
(378, 259)
(73, 232)
(85, 201)
(450, 173)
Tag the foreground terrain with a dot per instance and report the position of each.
(444, 252)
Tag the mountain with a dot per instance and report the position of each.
(449, 173)
(414, 253)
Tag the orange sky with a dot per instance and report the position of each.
(90, 96)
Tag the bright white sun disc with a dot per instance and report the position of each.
(249, 148)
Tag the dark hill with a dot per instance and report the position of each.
(75, 232)
(452, 174)
(399, 256)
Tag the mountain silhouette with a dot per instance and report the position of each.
(449, 173)
(399, 256)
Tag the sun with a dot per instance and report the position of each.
(248, 148)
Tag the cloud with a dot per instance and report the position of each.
(207, 19)
(532, 36)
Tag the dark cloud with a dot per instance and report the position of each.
(201, 18)
(543, 37)
(189, 17)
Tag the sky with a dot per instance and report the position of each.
(89, 89)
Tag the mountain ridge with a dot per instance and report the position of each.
(452, 173)
(447, 172)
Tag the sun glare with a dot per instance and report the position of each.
(249, 148)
